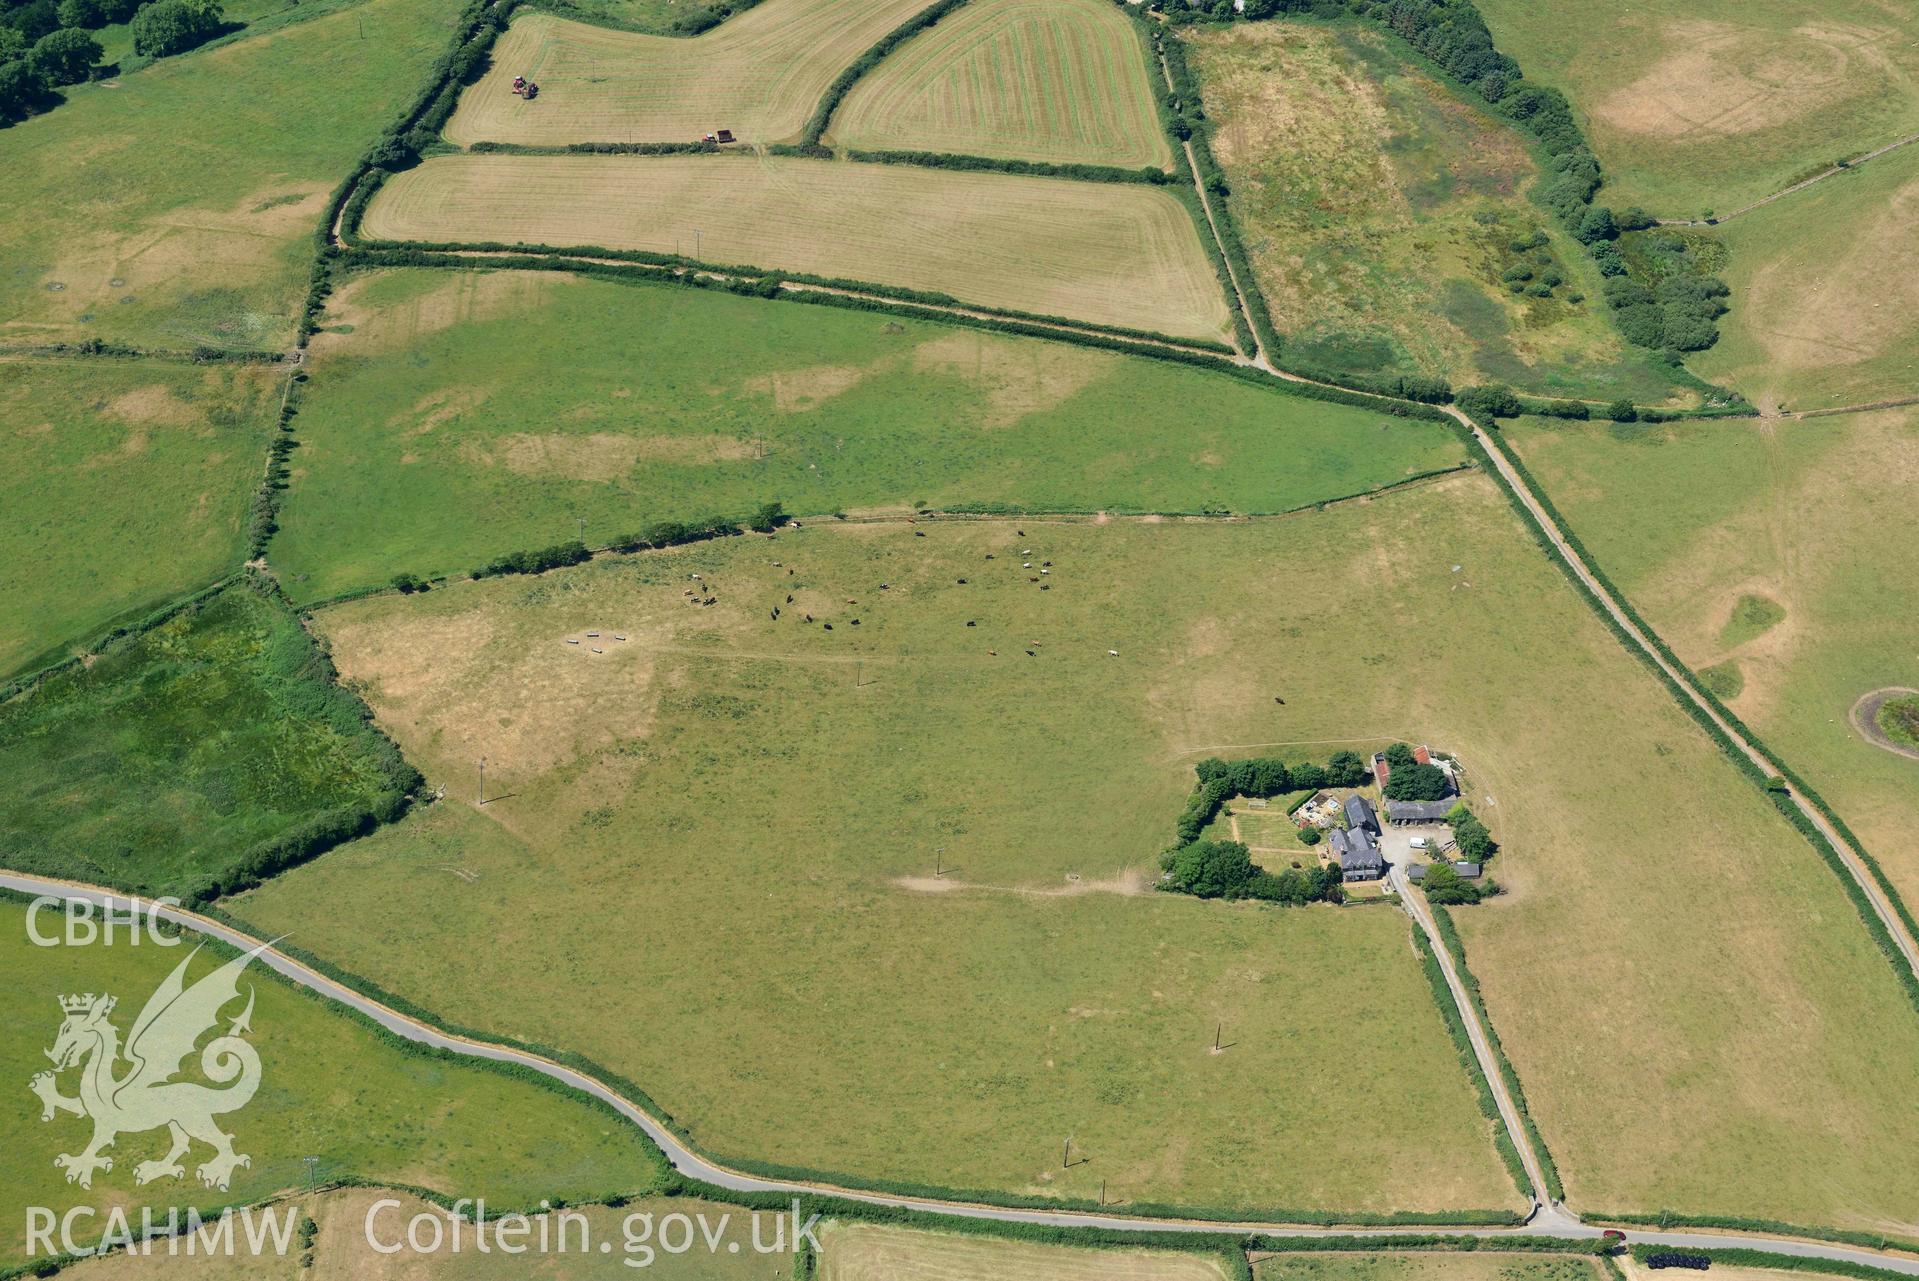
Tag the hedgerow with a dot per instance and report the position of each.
(641, 273)
(537, 561)
(1695, 700)
(1740, 1257)
(1449, 938)
(1193, 127)
(843, 83)
(680, 263)
(1031, 168)
(1469, 1061)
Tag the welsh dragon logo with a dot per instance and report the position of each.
(144, 1096)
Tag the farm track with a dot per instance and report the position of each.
(1551, 1223)
(1783, 192)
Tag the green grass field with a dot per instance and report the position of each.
(1725, 101)
(127, 485)
(1017, 79)
(1898, 720)
(1691, 520)
(245, 18)
(168, 757)
(330, 1088)
(178, 208)
(759, 74)
(1480, 1265)
(971, 1029)
(1119, 254)
(1817, 320)
(870, 1252)
(1382, 210)
(648, 17)
(975, 1020)
(445, 429)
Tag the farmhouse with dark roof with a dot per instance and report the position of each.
(1358, 853)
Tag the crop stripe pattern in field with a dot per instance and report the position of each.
(1014, 79)
(759, 74)
(1125, 255)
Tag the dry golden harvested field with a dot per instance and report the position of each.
(759, 74)
(1058, 80)
(868, 1252)
(1112, 254)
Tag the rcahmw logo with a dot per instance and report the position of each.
(143, 1095)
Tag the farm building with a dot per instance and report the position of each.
(1360, 816)
(1358, 854)
(1416, 872)
(1402, 813)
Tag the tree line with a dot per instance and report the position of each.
(1225, 869)
(764, 519)
(46, 45)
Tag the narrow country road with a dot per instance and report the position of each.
(1557, 1223)
(1860, 873)
(1549, 1214)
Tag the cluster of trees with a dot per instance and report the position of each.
(174, 26)
(1260, 776)
(46, 44)
(1448, 888)
(1492, 400)
(764, 519)
(1679, 313)
(1412, 780)
(1445, 886)
(1225, 869)
(536, 562)
(1475, 841)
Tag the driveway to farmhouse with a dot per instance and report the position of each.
(1396, 844)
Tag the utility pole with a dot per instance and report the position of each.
(312, 1165)
(1217, 1029)
(1066, 1154)
(696, 243)
(582, 521)
(481, 799)
(936, 862)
